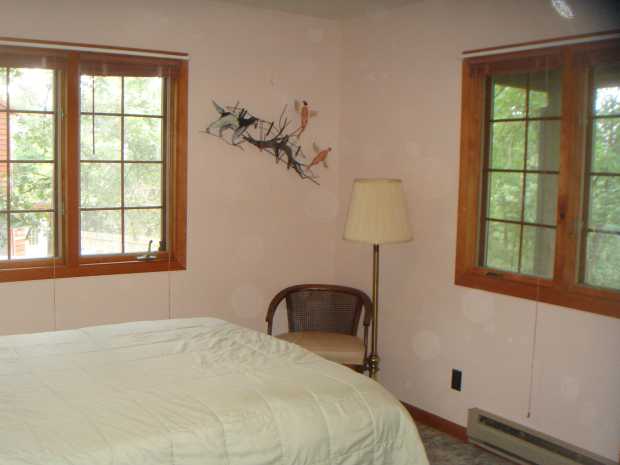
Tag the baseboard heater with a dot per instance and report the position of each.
(524, 445)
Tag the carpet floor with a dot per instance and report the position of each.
(442, 449)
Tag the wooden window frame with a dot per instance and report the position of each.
(69, 263)
(564, 288)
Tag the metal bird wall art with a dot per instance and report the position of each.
(238, 127)
(321, 156)
(303, 108)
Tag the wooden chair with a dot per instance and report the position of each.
(324, 319)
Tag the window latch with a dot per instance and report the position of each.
(493, 274)
(149, 255)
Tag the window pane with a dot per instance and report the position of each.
(505, 193)
(605, 203)
(3, 89)
(502, 246)
(4, 244)
(143, 186)
(143, 139)
(108, 94)
(31, 89)
(86, 94)
(603, 260)
(142, 226)
(32, 186)
(86, 138)
(107, 138)
(602, 241)
(100, 185)
(4, 134)
(507, 145)
(509, 96)
(100, 232)
(143, 95)
(545, 93)
(32, 235)
(122, 185)
(538, 251)
(543, 145)
(541, 195)
(607, 90)
(4, 186)
(606, 145)
(32, 136)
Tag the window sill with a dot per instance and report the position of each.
(599, 301)
(34, 270)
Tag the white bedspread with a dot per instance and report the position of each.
(190, 392)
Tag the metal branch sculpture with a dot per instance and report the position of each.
(237, 127)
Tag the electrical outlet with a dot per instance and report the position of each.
(457, 378)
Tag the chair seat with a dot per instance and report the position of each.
(337, 347)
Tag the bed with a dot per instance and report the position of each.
(188, 392)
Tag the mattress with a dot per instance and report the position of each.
(197, 391)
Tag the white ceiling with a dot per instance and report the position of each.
(332, 9)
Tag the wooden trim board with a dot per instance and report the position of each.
(445, 426)
(434, 421)
(97, 47)
(552, 41)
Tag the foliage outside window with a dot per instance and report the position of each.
(28, 163)
(92, 163)
(539, 207)
(601, 220)
(122, 165)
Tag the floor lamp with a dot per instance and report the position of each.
(377, 215)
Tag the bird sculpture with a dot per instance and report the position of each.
(321, 156)
(303, 108)
(227, 120)
(237, 127)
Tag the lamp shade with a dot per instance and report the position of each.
(377, 212)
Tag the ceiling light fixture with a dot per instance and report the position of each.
(563, 8)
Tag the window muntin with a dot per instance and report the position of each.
(600, 241)
(520, 172)
(28, 163)
(122, 164)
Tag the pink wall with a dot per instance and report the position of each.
(253, 227)
(400, 118)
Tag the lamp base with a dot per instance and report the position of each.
(373, 360)
(373, 365)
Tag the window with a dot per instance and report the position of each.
(121, 166)
(600, 262)
(28, 163)
(521, 171)
(92, 163)
(539, 206)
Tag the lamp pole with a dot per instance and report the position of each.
(377, 215)
(373, 360)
